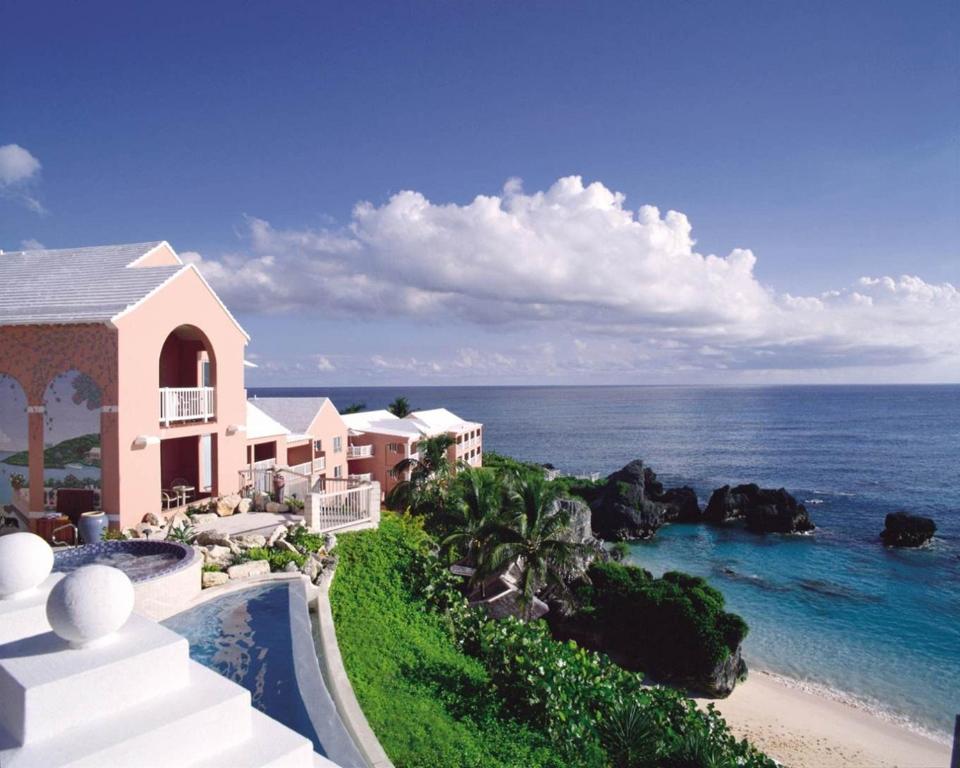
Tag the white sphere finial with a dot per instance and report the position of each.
(25, 561)
(90, 604)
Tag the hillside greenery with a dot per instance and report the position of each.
(70, 451)
(444, 686)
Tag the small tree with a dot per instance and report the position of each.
(429, 475)
(354, 408)
(400, 407)
(534, 537)
(474, 509)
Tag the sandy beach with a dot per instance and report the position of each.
(804, 730)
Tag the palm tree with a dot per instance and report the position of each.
(476, 508)
(429, 474)
(399, 407)
(534, 537)
(354, 408)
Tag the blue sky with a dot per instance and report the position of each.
(823, 137)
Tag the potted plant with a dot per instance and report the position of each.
(17, 481)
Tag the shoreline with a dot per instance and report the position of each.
(801, 726)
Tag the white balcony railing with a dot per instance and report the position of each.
(364, 477)
(359, 451)
(319, 463)
(179, 404)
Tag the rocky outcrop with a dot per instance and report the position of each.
(765, 510)
(632, 504)
(721, 681)
(901, 529)
(580, 531)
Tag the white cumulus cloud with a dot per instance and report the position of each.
(576, 259)
(18, 169)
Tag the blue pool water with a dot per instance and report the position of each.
(248, 636)
(836, 609)
(140, 560)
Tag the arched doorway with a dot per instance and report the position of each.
(14, 447)
(187, 379)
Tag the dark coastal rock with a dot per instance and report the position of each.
(901, 529)
(632, 504)
(681, 504)
(724, 677)
(766, 510)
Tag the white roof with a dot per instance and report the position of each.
(417, 424)
(439, 420)
(82, 285)
(297, 413)
(260, 424)
(380, 422)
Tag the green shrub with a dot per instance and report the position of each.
(675, 626)
(278, 558)
(211, 567)
(302, 539)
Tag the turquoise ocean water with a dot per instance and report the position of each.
(834, 610)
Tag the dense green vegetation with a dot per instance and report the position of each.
(429, 703)
(443, 686)
(70, 451)
(675, 626)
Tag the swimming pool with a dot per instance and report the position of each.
(261, 638)
(140, 560)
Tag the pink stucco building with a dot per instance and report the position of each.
(378, 441)
(164, 351)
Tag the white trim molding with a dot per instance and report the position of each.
(36, 409)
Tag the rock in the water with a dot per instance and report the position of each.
(766, 510)
(901, 529)
(248, 569)
(681, 504)
(227, 505)
(213, 579)
(633, 504)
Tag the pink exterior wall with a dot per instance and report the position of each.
(327, 425)
(382, 461)
(142, 333)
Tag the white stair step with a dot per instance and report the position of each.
(271, 745)
(48, 687)
(27, 614)
(177, 728)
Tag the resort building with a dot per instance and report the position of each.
(162, 354)
(378, 441)
(156, 360)
(313, 437)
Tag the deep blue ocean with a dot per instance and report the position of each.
(835, 610)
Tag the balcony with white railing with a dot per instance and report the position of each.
(320, 464)
(364, 477)
(359, 451)
(182, 404)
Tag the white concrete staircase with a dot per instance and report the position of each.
(134, 699)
